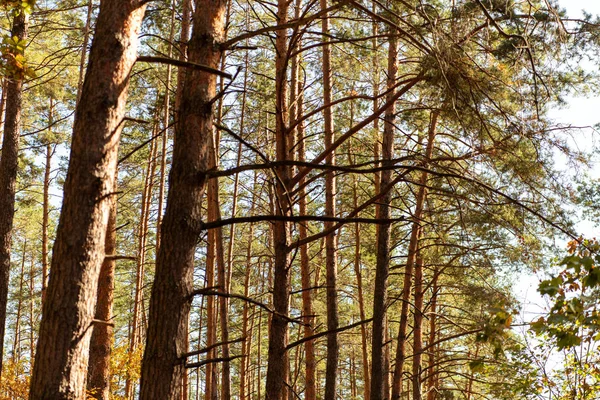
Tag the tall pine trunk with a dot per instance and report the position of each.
(277, 356)
(63, 347)
(162, 366)
(379, 368)
(9, 162)
(331, 239)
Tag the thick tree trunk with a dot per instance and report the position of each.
(166, 344)
(277, 357)
(63, 347)
(9, 161)
(101, 342)
(378, 359)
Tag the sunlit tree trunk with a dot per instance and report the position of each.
(166, 343)
(60, 368)
(9, 162)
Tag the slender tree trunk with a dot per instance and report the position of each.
(184, 37)
(165, 133)
(410, 261)
(331, 239)
(84, 46)
(136, 336)
(60, 368)
(16, 344)
(277, 360)
(101, 342)
(245, 362)
(3, 107)
(46, 210)
(431, 381)
(31, 315)
(9, 162)
(378, 369)
(211, 389)
(418, 330)
(166, 344)
(245, 332)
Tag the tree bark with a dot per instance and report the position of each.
(162, 367)
(277, 356)
(9, 162)
(60, 368)
(431, 381)
(378, 368)
(331, 239)
(101, 342)
(418, 330)
(16, 344)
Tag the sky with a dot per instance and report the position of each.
(580, 111)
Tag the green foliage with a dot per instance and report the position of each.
(573, 317)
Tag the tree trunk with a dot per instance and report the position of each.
(410, 261)
(378, 368)
(162, 367)
(136, 336)
(277, 355)
(84, 46)
(165, 132)
(331, 239)
(9, 162)
(431, 381)
(16, 345)
(101, 342)
(418, 329)
(63, 347)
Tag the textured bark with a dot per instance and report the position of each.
(100, 344)
(410, 261)
(382, 269)
(278, 335)
(162, 367)
(9, 161)
(60, 368)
